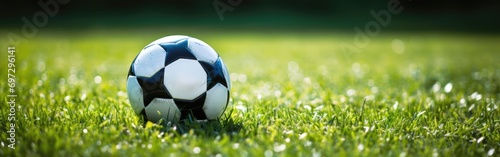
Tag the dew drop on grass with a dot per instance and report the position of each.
(342, 99)
(319, 108)
(241, 108)
(395, 106)
(462, 102)
(307, 107)
(85, 131)
(84, 95)
(361, 147)
(435, 153)
(479, 97)
(105, 149)
(471, 107)
(480, 140)
(366, 129)
(316, 153)
(287, 140)
(97, 79)
(236, 146)
(268, 153)
(436, 87)
(307, 80)
(448, 87)
(279, 148)
(476, 96)
(420, 113)
(308, 143)
(258, 116)
(196, 150)
(302, 136)
(403, 154)
(121, 94)
(491, 151)
(66, 98)
(277, 93)
(351, 92)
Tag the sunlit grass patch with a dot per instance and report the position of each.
(294, 94)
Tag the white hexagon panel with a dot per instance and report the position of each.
(185, 79)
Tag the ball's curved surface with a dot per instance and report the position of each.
(177, 76)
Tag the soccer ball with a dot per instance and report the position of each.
(177, 76)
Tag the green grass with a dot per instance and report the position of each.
(294, 94)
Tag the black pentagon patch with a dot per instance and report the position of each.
(176, 51)
(215, 73)
(153, 87)
(193, 107)
(131, 71)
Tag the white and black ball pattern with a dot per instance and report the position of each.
(177, 76)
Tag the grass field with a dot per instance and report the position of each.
(294, 94)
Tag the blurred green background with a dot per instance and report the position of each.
(444, 15)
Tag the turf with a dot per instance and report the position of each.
(294, 94)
